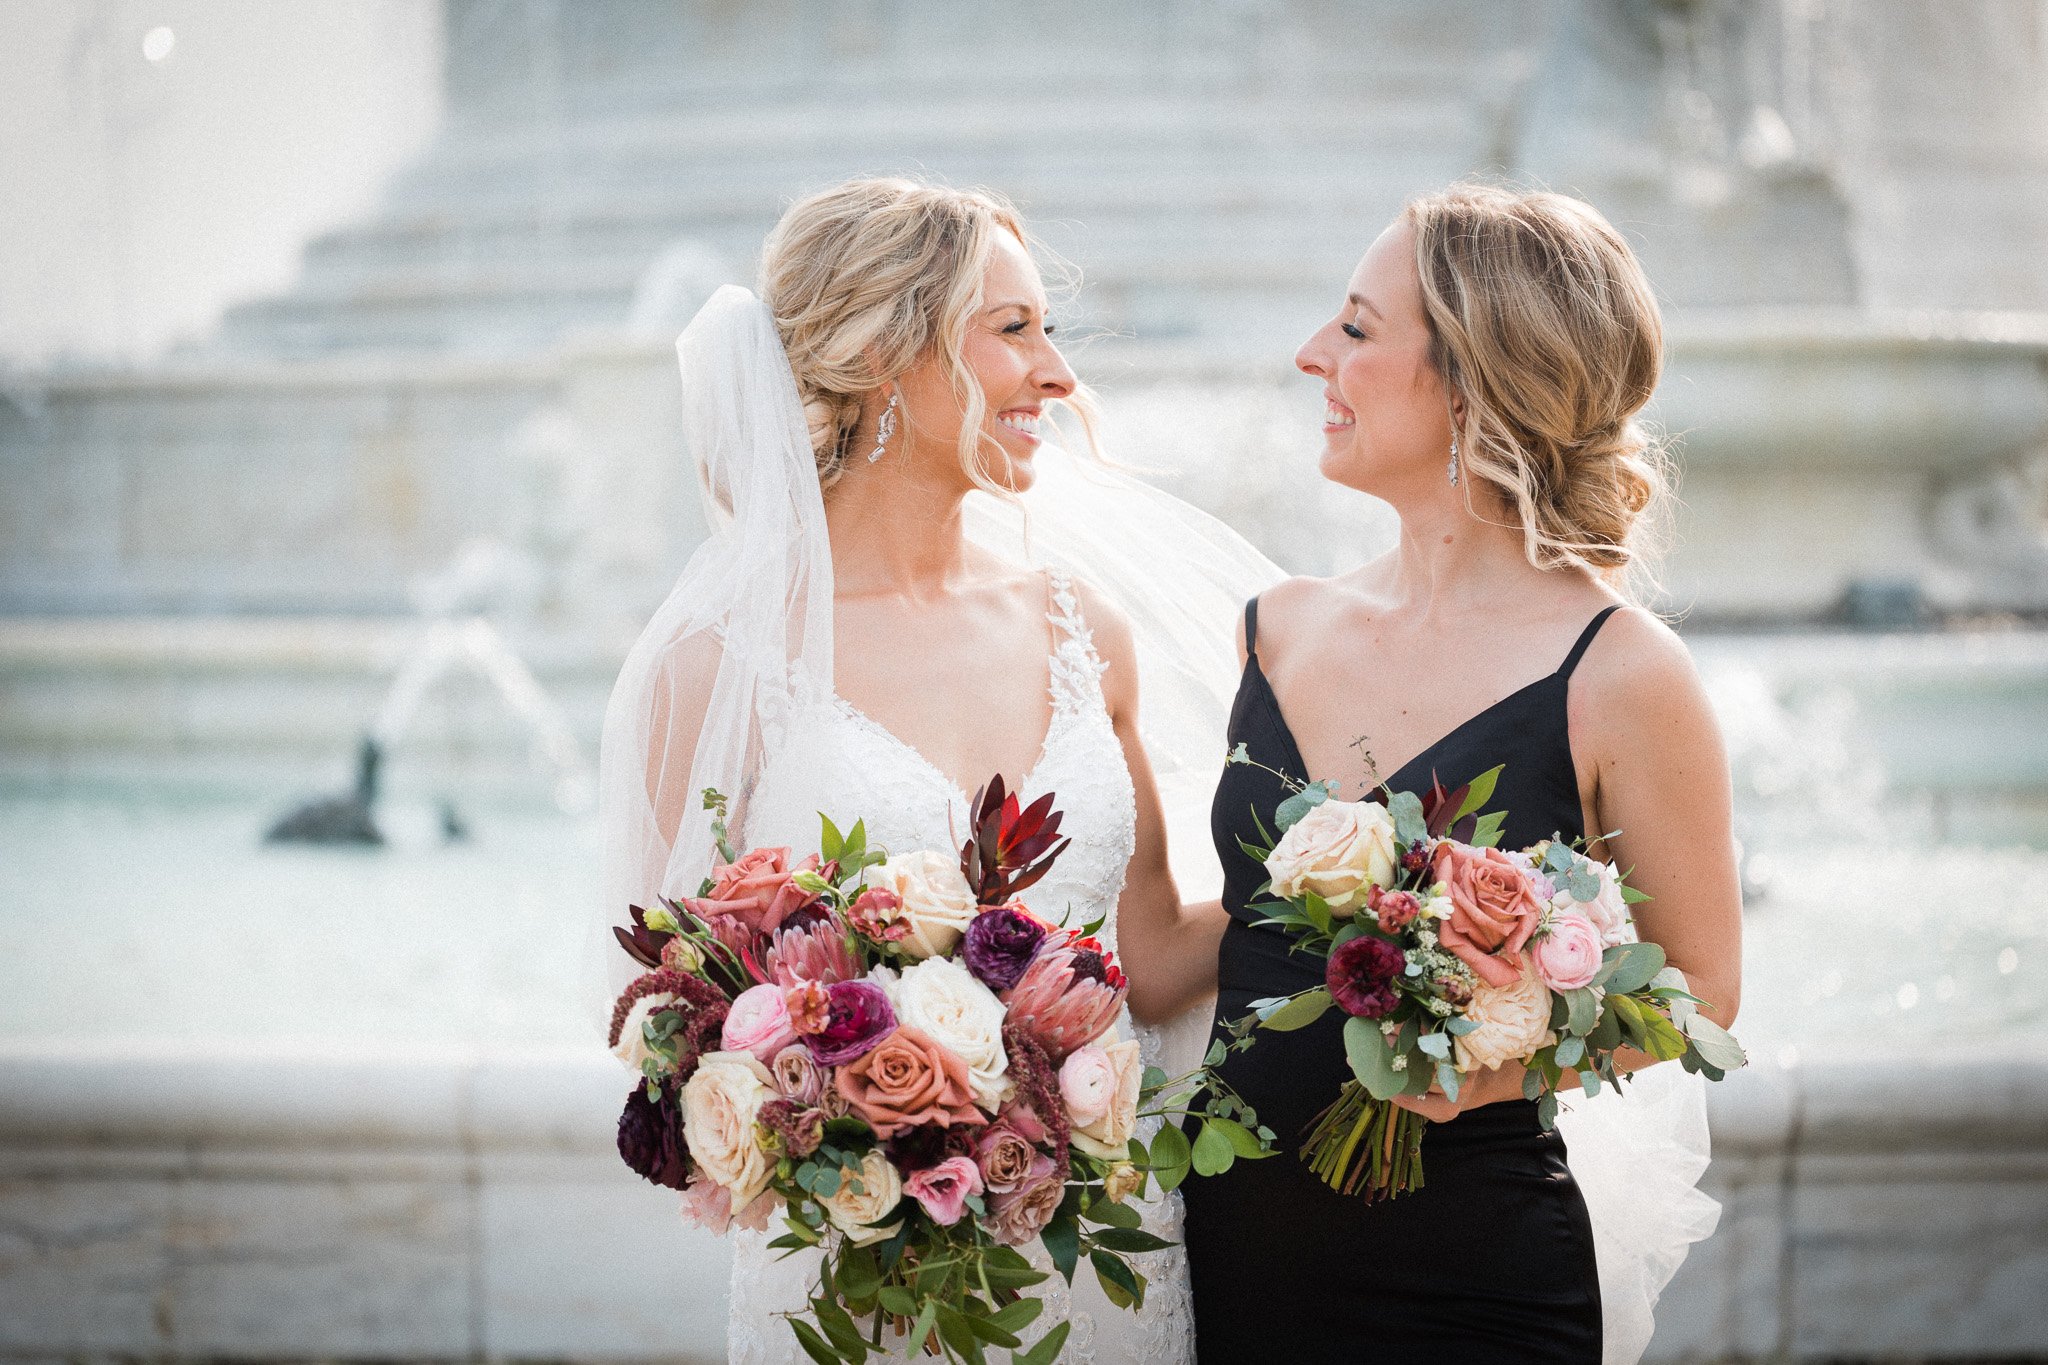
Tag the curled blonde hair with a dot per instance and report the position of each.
(863, 279)
(1543, 322)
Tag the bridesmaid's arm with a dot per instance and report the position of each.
(1168, 949)
(1654, 772)
(1660, 783)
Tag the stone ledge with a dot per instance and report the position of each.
(190, 1202)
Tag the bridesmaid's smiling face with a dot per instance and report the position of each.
(1387, 427)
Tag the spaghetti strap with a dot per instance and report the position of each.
(1251, 629)
(1571, 660)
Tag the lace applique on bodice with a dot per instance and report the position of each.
(830, 757)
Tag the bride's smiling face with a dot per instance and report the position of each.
(1006, 348)
(1387, 425)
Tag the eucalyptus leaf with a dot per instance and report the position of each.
(1459, 1026)
(1716, 1046)
(1298, 805)
(1409, 826)
(1584, 1007)
(1640, 963)
(1569, 1052)
(1372, 1061)
(1436, 1045)
(1448, 1079)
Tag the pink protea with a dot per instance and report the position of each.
(811, 947)
(1069, 995)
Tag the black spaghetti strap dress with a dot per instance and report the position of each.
(1492, 1260)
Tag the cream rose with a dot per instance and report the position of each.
(1340, 850)
(632, 1048)
(1108, 1136)
(1513, 1020)
(720, 1104)
(936, 901)
(942, 1000)
(881, 1189)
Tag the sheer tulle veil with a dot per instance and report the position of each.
(748, 625)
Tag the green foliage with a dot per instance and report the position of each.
(1409, 826)
(1171, 1157)
(1297, 1012)
(1372, 1061)
(1629, 967)
(1213, 1153)
(1301, 803)
(1478, 792)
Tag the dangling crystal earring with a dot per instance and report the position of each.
(884, 429)
(1454, 462)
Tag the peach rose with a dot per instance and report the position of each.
(1493, 910)
(757, 890)
(1340, 850)
(906, 1080)
(1513, 1020)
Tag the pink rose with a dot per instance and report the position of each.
(1493, 910)
(1006, 1151)
(1087, 1084)
(1568, 957)
(757, 890)
(758, 1023)
(943, 1189)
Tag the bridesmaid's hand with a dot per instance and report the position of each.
(1490, 1086)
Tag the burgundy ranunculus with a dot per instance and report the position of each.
(858, 1018)
(1000, 944)
(651, 1138)
(1361, 976)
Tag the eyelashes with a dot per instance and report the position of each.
(1353, 332)
(1018, 326)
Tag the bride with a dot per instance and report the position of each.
(865, 637)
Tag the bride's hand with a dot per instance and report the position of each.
(1482, 1088)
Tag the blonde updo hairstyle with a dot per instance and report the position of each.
(1542, 321)
(866, 277)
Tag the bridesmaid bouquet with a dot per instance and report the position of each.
(914, 1071)
(1450, 954)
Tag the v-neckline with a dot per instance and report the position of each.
(1393, 781)
(952, 784)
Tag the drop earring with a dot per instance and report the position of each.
(1454, 462)
(885, 428)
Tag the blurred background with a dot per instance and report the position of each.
(338, 466)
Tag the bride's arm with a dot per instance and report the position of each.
(1168, 950)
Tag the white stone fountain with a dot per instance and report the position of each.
(204, 571)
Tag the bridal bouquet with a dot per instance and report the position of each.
(917, 1073)
(1450, 954)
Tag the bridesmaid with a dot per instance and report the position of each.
(1483, 376)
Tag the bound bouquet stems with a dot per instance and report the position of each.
(1367, 1147)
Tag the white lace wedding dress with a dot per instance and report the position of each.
(830, 757)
